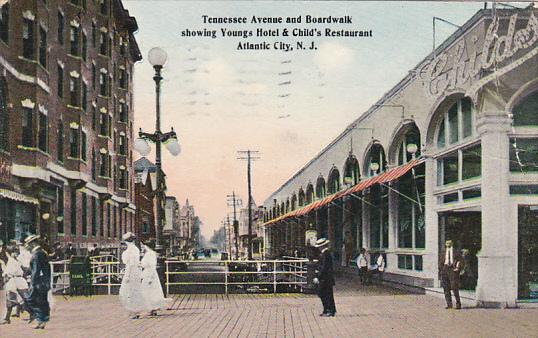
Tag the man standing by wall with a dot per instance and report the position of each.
(325, 278)
(450, 265)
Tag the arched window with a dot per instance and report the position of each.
(293, 202)
(4, 119)
(457, 123)
(409, 147)
(334, 181)
(302, 197)
(287, 206)
(309, 193)
(351, 171)
(282, 208)
(376, 162)
(320, 187)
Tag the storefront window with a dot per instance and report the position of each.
(523, 154)
(526, 112)
(460, 165)
(472, 158)
(449, 169)
(379, 220)
(411, 226)
(457, 123)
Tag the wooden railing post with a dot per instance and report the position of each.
(167, 281)
(274, 276)
(109, 280)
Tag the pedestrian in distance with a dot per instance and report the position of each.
(325, 278)
(362, 264)
(70, 251)
(450, 266)
(151, 285)
(37, 298)
(131, 296)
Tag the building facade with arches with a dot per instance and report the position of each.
(450, 152)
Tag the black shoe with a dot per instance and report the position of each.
(331, 314)
(5, 321)
(448, 307)
(458, 307)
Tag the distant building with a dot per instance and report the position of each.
(186, 231)
(145, 181)
(66, 120)
(257, 239)
(172, 225)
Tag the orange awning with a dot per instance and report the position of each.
(386, 177)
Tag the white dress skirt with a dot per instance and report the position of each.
(131, 296)
(151, 286)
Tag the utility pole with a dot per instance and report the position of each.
(235, 202)
(225, 235)
(249, 159)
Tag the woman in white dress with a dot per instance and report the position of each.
(15, 283)
(151, 285)
(131, 296)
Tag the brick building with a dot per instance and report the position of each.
(145, 181)
(66, 112)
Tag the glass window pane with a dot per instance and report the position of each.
(418, 263)
(472, 193)
(467, 117)
(526, 112)
(524, 154)
(472, 162)
(449, 198)
(453, 124)
(450, 168)
(441, 135)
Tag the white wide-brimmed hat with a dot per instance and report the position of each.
(321, 242)
(127, 236)
(30, 239)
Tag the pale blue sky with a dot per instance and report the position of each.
(221, 100)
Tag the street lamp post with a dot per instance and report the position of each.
(157, 57)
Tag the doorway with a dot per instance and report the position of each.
(528, 252)
(464, 229)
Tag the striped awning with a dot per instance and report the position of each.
(15, 196)
(386, 177)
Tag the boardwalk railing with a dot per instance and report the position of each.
(59, 273)
(250, 275)
(106, 272)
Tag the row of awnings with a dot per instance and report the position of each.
(383, 178)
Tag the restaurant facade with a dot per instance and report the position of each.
(450, 152)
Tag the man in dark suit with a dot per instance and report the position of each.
(450, 265)
(325, 278)
(40, 282)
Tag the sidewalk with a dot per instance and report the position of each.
(373, 311)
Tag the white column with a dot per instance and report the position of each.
(392, 259)
(496, 283)
(430, 259)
